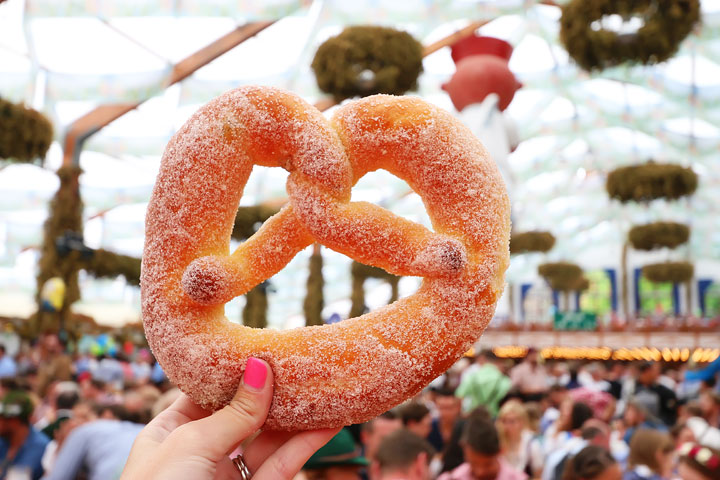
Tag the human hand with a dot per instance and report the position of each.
(185, 441)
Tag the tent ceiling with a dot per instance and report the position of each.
(68, 57)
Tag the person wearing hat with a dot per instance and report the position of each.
(339, 459)
(21, 445)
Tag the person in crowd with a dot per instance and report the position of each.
(592, 463)
(339, 459)
(635, 417)
(416, 417)
(572, 417)
(573, 376)
(589, 432)
(100, 448)
(65, 401)
(21, 445)
(515, 435)
(402, 455)
(452, 455)
(449, 417)
(483, 461)
(687, 410)
(651, 456)
(592, 377)
(558, 374)
(703, 432)
(53, 364)
(142, 366)
(8, 366)
(58, 402)
(657, 399)
(484, 385)
(710, 406)
(374, 430)
(681, 434)
(110, 371)
(697, 462)
(551, 402)
(602, 403)
(615, 376)
(71, 413)
(530, 377)
(534, 413)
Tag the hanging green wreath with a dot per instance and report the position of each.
(360, 272)
(674, 272)
(365, 60)
(649, 181)
(562, 276)
(313, 304)
(531, 242)
(25, 134)
(664, 25)
(658, 235)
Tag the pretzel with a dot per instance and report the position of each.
(348, 372)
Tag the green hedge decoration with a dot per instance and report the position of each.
(25, 134)
(65, 215)
(651, 181)
(674, 272)
(314, 300)
(360, 272)
(366, 60)
(531, 242)
(105, 264)
(658, 235)
(666, 24)
(563, 276)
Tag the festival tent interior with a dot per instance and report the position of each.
(569, 130)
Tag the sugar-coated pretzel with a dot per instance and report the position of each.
(336, 374)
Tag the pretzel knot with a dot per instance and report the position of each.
(335, 374)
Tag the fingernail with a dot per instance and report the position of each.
(255, 373)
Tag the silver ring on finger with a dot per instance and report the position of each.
(241, 467)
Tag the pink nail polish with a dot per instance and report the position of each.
(255, 373)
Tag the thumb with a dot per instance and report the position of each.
(215, 436)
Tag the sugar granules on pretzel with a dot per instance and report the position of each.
(348, 372)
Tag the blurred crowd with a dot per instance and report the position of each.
(68, 413)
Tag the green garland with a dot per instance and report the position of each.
(365, 60)
(658, 235)
(674, 272)
(531, 242)
(25, 134)
(650, 181)
(563, 276)
(105, 264)
(360, 272)
(313, 304)
(666, 24)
